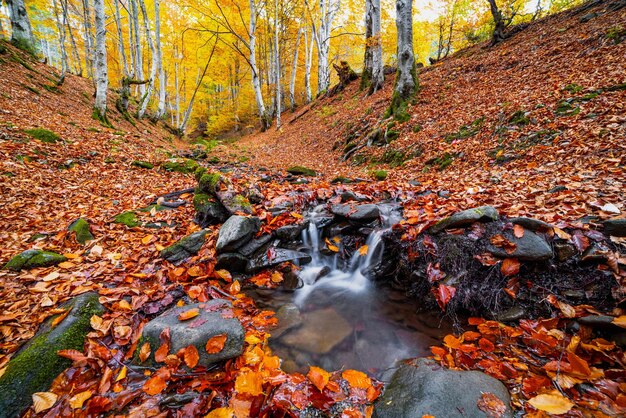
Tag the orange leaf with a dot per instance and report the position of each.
(250, 382)
(357, 379)
(518, 231)
(195, 271)
(319, 377)
(451, 341)
(234, 287)
(510, 267)
(190, 356)
(552, 403)
(620, 321)
(162, 352)
(224, 275)
(216, 344)
(191, 313)
(157, 383)
(144, 352)
(363, 250)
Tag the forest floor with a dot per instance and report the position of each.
(534, 127)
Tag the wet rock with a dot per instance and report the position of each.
(443, 193)
(254, 195)
(288, 317)
(366, 212)
(352, 196)
(34, 258)
(465, 218)
(276, 256)
(615, 227)
(532, 224)
(209, 210)
(297, 170)
(564, 250)
(321, 331)
(415, 183)
(185, 247)
(233, 262)
(254, 245)
(514, 314)
(598, 321)
(37, 364)
(557, 189)
(530, 247)
(425, 388)
(595, 252)
(80, 227)
(234, 202)
(292, 281)
(210, 322)
(237, 231)
(289, 232)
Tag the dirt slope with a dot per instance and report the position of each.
(548, 111)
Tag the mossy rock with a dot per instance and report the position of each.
(209, 210)
(37, 363)
(44, 135)
(143, 164)
(341, 180)
(210, 182)
(185, 166)
(379, 174)
(127, 218)
(184, 248)
(298, 170)
(81, 228)
(156, 207)
(34, 258)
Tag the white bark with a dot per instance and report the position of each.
(277, 55)
(177, 94)
(328, 10)
(145, 100)
(308, 50)
(406, 80)
(256, 82)
(61, 29)
(120, 39)
(294, 68)
(373, 76)
(138, 60)
(89, 41)
(101, 60)
(21, 30)
(162, 82)
(78, 66)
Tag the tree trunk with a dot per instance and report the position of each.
(61, 29)
(138, 60)
(89, 41)
(101, 61)
(22, 32)
(77, 62)
(256, 83)
(277, 55)
(145, 99)
(183, 125)
(373, 76)
(177, 94)
(498, 22)
(162, 82)
(120, 39)
(294, 68)
(406, 78)
(308, 59)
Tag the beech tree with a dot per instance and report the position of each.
(102, 81)
(373, 76)
(406, 74)
(21, 30)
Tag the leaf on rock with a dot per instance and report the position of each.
(144, 352)
(518, 231)
(216, 344)
(190, 356)
(191, 313)
(491, 405)
(77, 401)
(157, 383)
(510, 267)
(250, 382)
(357, 379)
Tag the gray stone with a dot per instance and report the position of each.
(233, 262)
(209, 210)
(289, 232)
(530, 247)
(234, 202)
(513, 314)
(465, 218)
(210, 322)
(366, 212)
(564, 250)
(237, 231)
(275, 256)
(254, 245)
(37, 363)
(185, 247)
(425, 388)
(34, 258)
(532, 224)
(321, 331)
(288, 317)
(615, 227)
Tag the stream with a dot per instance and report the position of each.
(339, 319)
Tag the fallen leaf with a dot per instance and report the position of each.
(518, 231)
(357, 379)
(363, 250)
(552, 403)
(157, 383)
(191, 313)
(144, 352)
(77, 401)
(319, 377)
(223, 412)
(122, 374)
(190, 356)
(43, 401)
(491, 405)
(216, 344)
(510, 267)
(250, 382)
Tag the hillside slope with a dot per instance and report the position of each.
(501, 125)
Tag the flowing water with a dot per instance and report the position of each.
(340, 319)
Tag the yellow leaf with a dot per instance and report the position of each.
(159, 247)
(224, 412)
(552, 403)
(66, 265)
(43, 401)
(191, 313)
(620, 321)
(52, 276)
(195, 271)
(560, 233)
(122, 374)
(147, 239)
(77, 401)
(363, 250)
(319, 377)
(234, 288)
(224, 274)
(277, 277)
(72, 256)
(357, 379)
(250, 382)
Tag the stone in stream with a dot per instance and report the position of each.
(237, 231)
(208, 210)
(210, 322)
(275, 256)
(34, 258)
(37, 364)
(365, 212)
(233, 262)
(321, 331)
(289, 232)
(81, 228)
(423, 387)
(185, 247)
(615, 227)
(234, 202)
(254, 245)
(465, 218)
(530, 247)
(288, 317)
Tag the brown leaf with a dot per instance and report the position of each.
(510, 267)
(491, 405)
(216, 344)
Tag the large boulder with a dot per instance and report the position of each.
(425, 388)
(366, 212)
(185, 247)
(37, 364)
(214, 319)
(275, 256)
(209, 210)
(34, 258)
(530, 247)
(237, 231)
(234, 202)
(465, 218)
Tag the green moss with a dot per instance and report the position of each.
(299, 170)
(3, 49)
(37, 364)
(201, 200)
(43, 135)
(416, 128)
(441, 162)
(34, 258)
(617, 87)
(81, 228)
(109, 160)
(519, 118)
(616, 34)
(566, 108)
(397, 157)
(51, 88)
(242, 202)
(573, 88)
(127, 218)
(391, 135)
(341, 180)
(101, 117)
(349, 147)
(210, 182)
(466, 131)
(379, 174)
(93, 129)
(185, 166)
(143, 164)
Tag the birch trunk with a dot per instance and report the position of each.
(101, 61)
(78, 66)
(61, 29)
(21, 30)
(322, 39)
(120, 39)
(277, 56)
(138, 53)
(406, 78)
(145, 99)
(294, 68)
(373, 76)
(177, 94)
(89, 41)
(308, 50)
(162, 82)
(256, 83)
